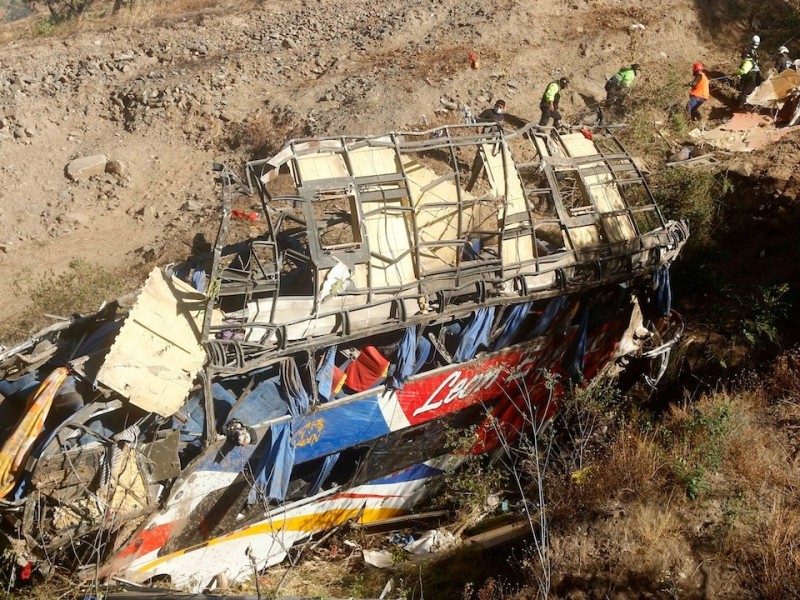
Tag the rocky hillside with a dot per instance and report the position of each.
(164, 89)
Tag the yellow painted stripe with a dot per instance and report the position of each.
(305, 523)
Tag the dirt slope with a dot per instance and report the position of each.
(169, 97)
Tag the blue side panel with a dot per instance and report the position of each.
(335, 429)
(414, 473)
(228, 459)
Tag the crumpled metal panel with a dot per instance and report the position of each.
(775, 90)
(157, 354)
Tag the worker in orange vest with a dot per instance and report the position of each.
(699, 93)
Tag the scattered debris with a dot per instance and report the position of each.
(778, 89)
(421, 550)
(305, 377)
(745, 132)
(686, 158)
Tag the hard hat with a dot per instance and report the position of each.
(783, 50)
(698, 66)
(564, 81)
(635, 67)
(756, 40)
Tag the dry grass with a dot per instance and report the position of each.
(99, 17)
(82, 288)
(774, 553)
(709, 487)
(316, 578)
(437, 63)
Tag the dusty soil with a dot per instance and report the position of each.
(169, 92)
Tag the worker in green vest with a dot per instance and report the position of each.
(749, 74)
(620, 84)
(550, 100)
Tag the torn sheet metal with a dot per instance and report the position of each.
(745, 132)
(776, 90)
(158, 352)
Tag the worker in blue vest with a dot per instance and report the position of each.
(550, 100)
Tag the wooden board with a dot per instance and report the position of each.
(506, 183)
(323, 164)
(437, 223)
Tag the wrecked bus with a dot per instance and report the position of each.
(398, 286)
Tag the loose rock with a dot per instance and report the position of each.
(116, 167)
(86, 167)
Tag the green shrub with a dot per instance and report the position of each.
(695, 195)
(698, 439)
(656, 105)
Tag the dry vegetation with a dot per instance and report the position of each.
(82, 288)
(697, 500)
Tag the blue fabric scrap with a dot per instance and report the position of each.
(575, 369)
(325, 375)
(475, 334)
(274, 466)
(324, 473)
(549, 313)
(663, 291)
(511, 323)
(292, 389)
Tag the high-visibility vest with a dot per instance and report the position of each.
(700, 90)
(746, 66)
(625, 77)
(551, 92)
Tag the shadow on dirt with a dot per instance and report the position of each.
(774, 20)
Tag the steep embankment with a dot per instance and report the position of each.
(170, 87)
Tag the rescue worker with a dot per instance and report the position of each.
(550, 100)
(749, 74)
(620, 84)
(784, 62)
(752, 48)
(699, 93)
(496, 114)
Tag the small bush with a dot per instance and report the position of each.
(45, 27)
(695, 195)
(469, 486)
(753, 319)
(65, 9)
(656, 105)
(697, 438)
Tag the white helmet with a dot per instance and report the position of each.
(756, 40)
(783, 50)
